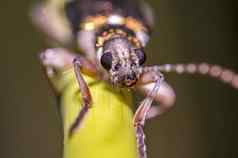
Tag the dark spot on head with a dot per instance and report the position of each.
(131, 76)
(117, 66)
(133, 64)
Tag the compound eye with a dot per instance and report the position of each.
(106, 60)
(141, 56)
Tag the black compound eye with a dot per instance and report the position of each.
(106, 60)
(141, 56)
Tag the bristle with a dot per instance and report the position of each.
(216, 71)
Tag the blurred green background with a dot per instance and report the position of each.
(204, 122)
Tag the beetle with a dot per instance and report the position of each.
(112, 35)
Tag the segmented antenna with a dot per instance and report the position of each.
(216, 71)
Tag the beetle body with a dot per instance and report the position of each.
(112, 35)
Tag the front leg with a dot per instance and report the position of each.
(59, 60)
(48, 16)
(152, 85)
(142, 111)
(85, 94)
(165, 96)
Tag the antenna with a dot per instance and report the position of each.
(225, 75)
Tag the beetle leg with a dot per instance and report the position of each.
(56, 59)
(50, 19)
(85, 94)
(142, 111)
(60, 59)
(165, 96)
